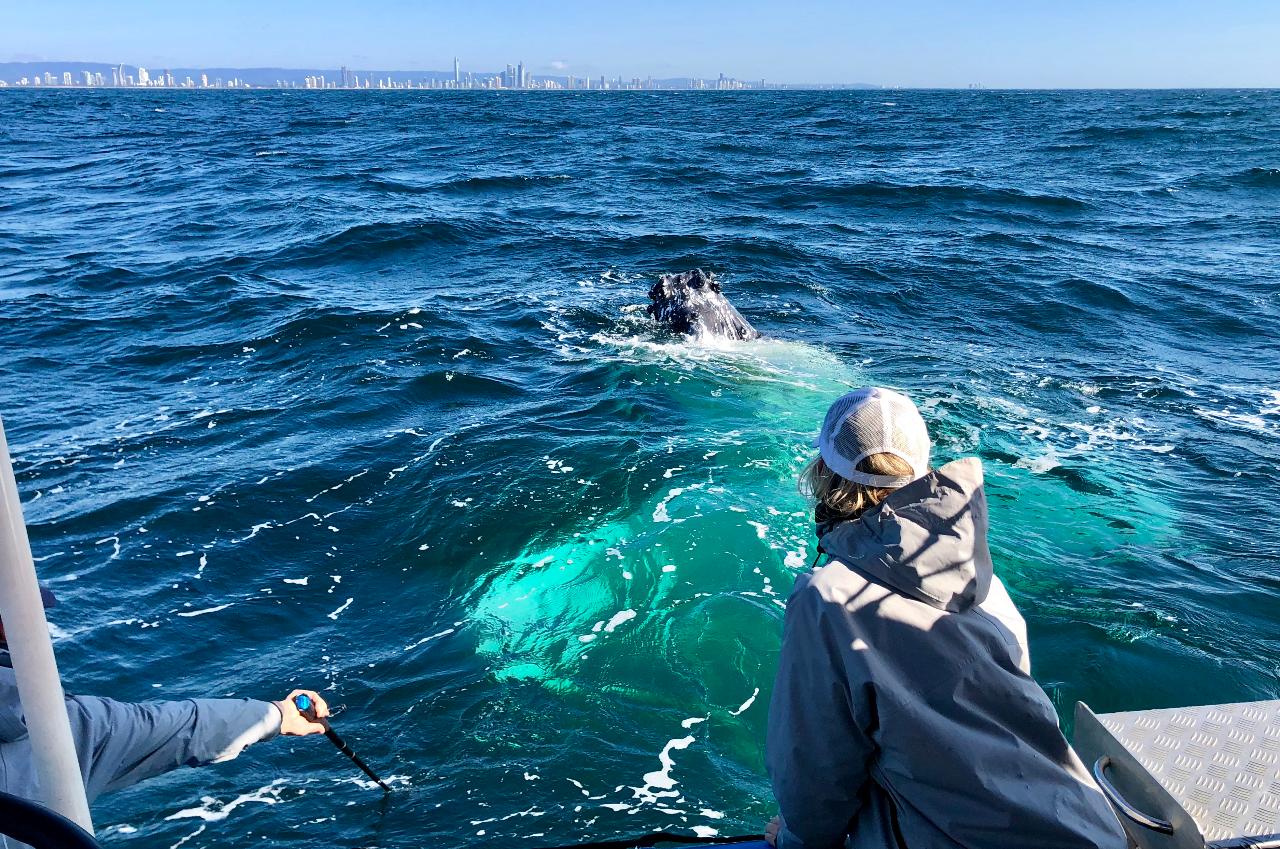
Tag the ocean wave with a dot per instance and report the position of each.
(500, 183)
(1128, 132)
(1249, 178)
(795, 194)
(374, 240)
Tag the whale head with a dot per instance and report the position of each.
(692, 302)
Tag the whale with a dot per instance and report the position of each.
(692, 303)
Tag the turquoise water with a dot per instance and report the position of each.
(356, 392)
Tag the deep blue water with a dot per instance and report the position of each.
(351, 390)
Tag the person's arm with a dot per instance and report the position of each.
(121, 744)
(817, 750)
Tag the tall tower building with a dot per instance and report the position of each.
(143, 77)
(457, 73)
(520, 80)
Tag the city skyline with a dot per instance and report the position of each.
(515, 76)
(916, 43)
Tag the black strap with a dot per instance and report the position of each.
(657, 837)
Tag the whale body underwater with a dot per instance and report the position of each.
(692, 303)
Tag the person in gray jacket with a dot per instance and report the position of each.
(120, 744)
(904, 714)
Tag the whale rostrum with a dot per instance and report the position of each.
(691, 302)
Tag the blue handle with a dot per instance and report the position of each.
(304, 705)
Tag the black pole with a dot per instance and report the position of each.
(346, 750)
(308, 709)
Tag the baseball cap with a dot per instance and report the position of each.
(870, 421)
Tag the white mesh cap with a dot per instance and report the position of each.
(870, 421)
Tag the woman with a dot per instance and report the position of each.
(904, 714)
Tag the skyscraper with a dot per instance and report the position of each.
(143, 77)
(457, 73)
(520, 79)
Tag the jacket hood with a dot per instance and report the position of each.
(12, 725)
(928, 540)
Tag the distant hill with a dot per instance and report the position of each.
(12, 72)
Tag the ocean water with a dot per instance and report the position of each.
(355, 391)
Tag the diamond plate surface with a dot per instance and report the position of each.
(1221, 762)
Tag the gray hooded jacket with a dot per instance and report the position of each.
(904, 714)
(121, 744)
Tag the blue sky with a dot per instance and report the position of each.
(1072, 43)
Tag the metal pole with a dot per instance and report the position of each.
(31, 649)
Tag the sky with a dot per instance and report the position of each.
(944, 43)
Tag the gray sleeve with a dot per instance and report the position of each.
(817, 751)
(121, 744)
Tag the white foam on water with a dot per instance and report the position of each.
(619, 618)
(1246, 421)
(195, 833)
(189, 613)
(302, 582)
(253, 532)
(704, 831)
(345, 605)
(391, 781)
(748, 703)
(692, 721)
(446, 632)
(660, 513)
(659, 783)
(1040, 465)
(761, 528)
(212, 810)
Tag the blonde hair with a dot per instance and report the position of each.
(843, 497)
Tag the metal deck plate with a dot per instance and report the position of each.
(1221, 762)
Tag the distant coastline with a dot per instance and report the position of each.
(103, 75)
